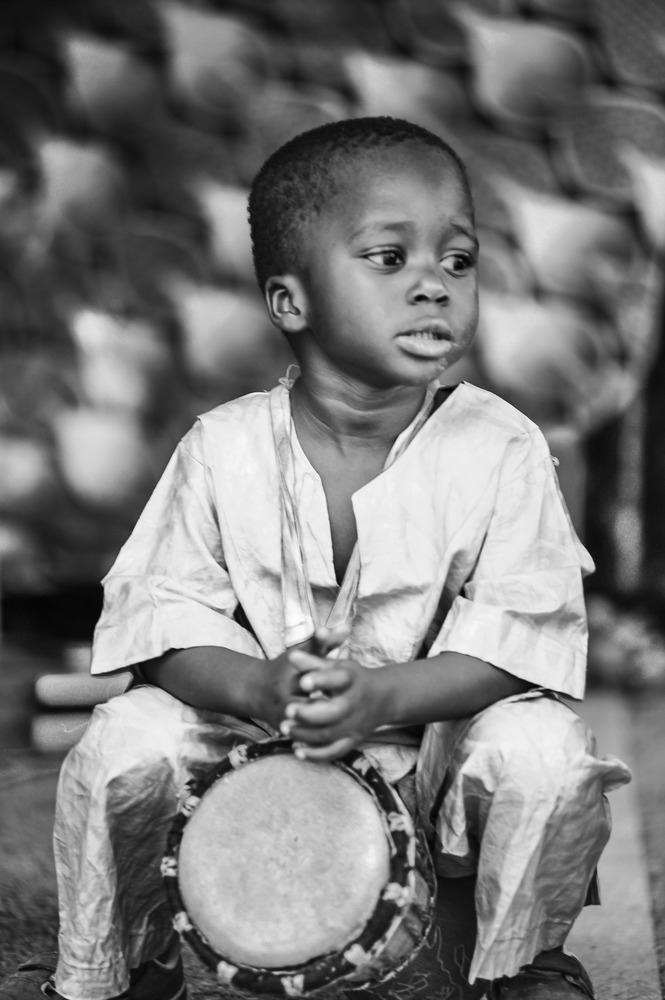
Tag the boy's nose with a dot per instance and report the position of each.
(429, 287)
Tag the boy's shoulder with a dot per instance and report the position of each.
(483, 412)
(483, 436)
(243, 409)
(228, 433)
(243, 419)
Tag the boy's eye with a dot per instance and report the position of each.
(385, 258)
(458, 263)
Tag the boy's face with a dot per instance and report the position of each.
(390, 280)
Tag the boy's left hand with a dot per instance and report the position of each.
(344, 703)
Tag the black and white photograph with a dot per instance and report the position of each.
(332, 499)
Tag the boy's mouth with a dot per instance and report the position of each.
(426, 340)
(431, 327)
(429, 334)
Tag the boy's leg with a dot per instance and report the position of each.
(522, 804)
(116, 798)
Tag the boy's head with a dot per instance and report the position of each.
(365, 247)
(303, 176)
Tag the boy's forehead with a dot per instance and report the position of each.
(386, 180)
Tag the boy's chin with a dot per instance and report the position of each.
(426, 373)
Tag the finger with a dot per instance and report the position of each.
(288, 719)
(328, 680)
(286, 727)
(304, 662)
(321, 712)
(319, 736)
(315, 736)
(332, 751)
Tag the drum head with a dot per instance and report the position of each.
(283, 860)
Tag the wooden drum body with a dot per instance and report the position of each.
(289, 877)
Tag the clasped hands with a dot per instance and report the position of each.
(329, 706)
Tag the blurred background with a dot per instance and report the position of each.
(130, 131)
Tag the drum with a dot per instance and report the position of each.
(292, 878)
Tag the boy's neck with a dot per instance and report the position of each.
(352, 414)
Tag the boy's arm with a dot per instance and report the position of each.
(170, 588)
(211, 677)
(359, 700)
(447, 686)
(223, 680)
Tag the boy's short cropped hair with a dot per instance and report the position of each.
(303, 175)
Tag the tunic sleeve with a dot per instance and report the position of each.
(169, 587)
(522, 607)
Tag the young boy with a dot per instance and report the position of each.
(417, 529)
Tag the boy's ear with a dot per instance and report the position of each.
(287, 303)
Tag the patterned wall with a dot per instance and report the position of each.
(130, 132)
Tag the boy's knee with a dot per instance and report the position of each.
(127, 735)
(538, 746)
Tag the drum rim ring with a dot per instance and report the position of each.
(322, 971)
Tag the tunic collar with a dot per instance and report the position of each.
(301, 614)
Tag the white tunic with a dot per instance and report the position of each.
(464, 544)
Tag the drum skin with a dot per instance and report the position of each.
(295, 859)
(294, 878)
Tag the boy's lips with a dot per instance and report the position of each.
(426, 339)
